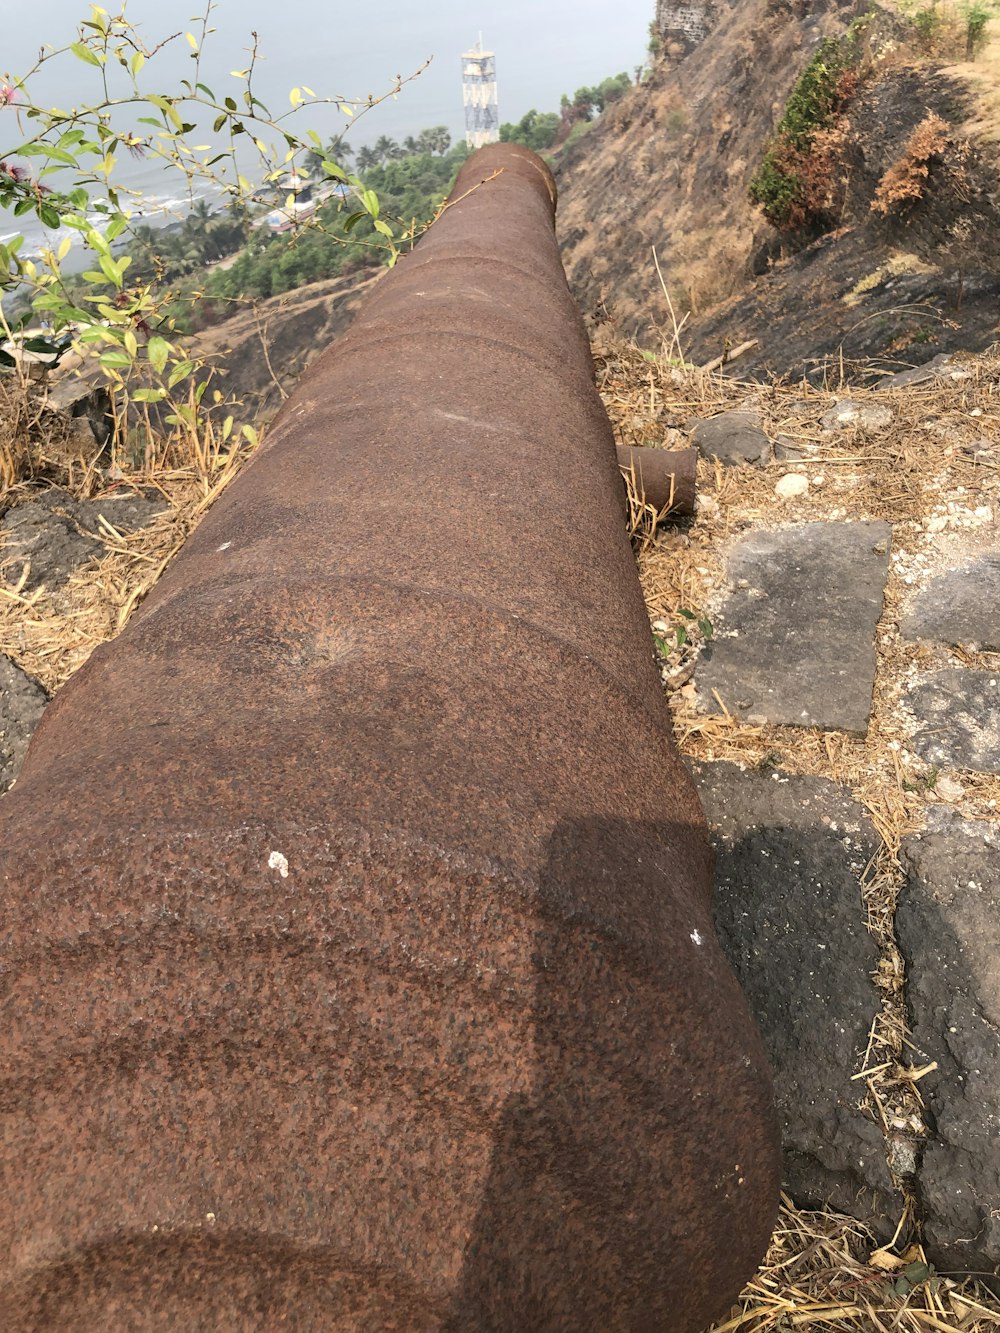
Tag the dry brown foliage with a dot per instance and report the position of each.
(819, 170)
(906, 180)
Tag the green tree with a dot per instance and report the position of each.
(536, 131)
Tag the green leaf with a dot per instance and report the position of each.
(180, 372)
(115, 360)
(706, 628)
(110, 269)
(688, 615)
(60, 155)
(158, 349)
(167, 107)
(149, 395)
(85, 54)
(682, 635)
(49, 216)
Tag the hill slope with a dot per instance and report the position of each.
(671, 166)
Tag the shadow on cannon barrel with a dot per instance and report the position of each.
(379, 988)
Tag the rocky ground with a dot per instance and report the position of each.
(842, 722)
(826, 625)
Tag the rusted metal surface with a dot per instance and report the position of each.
(357, 961)
(665, 478)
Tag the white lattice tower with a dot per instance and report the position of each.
(479, 93)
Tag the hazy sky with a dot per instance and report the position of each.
(542, 50)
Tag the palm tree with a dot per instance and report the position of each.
(365, 159)
(435, 140)
(385, 149)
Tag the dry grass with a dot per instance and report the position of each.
(817, 1275)
(51, 633)
(823, 1271)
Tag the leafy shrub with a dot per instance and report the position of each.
(927, 24)
(977, 15)
(60, 166)
(794, 183)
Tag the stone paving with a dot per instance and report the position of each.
(948, 925)
(961, 606)
(790, 852)
(796, 628)
(810, 598)
(958, 719)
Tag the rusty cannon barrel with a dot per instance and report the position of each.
(357, 964)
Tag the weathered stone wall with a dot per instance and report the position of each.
(684, 25)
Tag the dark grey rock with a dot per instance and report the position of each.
(22, 701)
(733, 437)
(948, 926)
(790, 852)
(958, 719)
(49, 540)
(126, 512)
(962, 606)
(794, 642)
(58, 533)
(935, 369)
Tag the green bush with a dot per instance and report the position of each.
(777, 185)
(976, 15)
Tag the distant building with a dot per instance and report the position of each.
(479, 93)
(297, 202)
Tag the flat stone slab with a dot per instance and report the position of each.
(948, 926)
(958, 719)
(795, 641)
(22, 701)
(790, 852)
(732, 437)
(961, 606)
